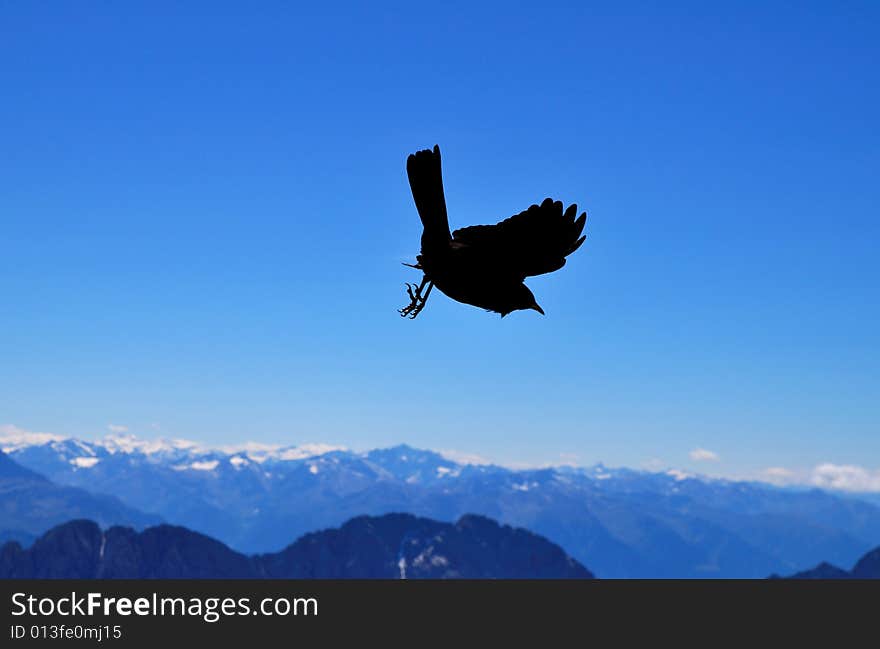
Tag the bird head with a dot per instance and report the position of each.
(521, 298)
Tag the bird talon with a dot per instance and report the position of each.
(417, 300)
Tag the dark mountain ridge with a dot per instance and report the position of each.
(868, 567)
(394, 546)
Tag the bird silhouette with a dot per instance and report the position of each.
(485, 265)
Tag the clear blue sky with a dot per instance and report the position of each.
(203, 211)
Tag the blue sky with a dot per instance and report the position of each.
(203, 213)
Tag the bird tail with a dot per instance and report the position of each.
(426, 182)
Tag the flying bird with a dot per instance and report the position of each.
(485, 265)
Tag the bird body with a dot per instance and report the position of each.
(485, 265)
(466, 275)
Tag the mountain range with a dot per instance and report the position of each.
(620, 522)
(30, 504)
(867, 567)
(394, 546)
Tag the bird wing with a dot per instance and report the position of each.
(532, 242)
(426, 183)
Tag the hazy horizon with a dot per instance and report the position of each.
(827, 476)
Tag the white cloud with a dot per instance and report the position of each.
(778, 472)
(845, 477)
(834, 477)
(12, 438)
(703, 455)
(117, 428)
(780, 476)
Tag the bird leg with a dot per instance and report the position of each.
(417, 300)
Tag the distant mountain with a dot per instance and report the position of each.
(822, 571)
(868, 567)
(620, 522)
(394, 546)
(30, 504)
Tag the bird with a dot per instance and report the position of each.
(485, 265)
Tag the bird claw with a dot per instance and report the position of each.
(417, 301)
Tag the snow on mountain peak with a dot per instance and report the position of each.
(259, 452)
(81, 453)
(208, 465)
(307, 450)
(128, 443)
(84, 462)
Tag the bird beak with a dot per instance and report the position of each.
(537, 308)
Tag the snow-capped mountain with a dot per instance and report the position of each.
(620, 522)
(86, 454)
